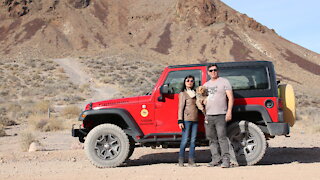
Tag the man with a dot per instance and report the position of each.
(218, 112)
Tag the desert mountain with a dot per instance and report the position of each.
(166, 31)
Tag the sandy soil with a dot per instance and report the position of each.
(296, 157)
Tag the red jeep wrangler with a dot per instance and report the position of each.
(112, 129)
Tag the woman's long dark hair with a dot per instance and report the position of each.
(184, 83)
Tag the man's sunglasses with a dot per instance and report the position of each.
(189, 80)
(215, 70)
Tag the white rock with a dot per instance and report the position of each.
(35, 146)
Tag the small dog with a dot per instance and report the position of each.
(201, 94)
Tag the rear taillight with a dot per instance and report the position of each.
(280, 103)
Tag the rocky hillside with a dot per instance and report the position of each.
(166, 31)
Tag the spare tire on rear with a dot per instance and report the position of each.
(288, 98)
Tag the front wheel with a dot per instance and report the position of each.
(248, 143)
(107, 146)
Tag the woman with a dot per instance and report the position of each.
(188, 119)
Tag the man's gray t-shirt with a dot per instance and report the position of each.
(217, 97)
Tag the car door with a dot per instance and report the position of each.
(166, 111)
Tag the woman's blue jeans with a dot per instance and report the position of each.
(190, 130)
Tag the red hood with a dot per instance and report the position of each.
(116, 102)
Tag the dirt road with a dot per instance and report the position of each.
(77, 75)
(297, 157)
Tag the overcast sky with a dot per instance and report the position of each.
(296, 20)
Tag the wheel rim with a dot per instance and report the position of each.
(107, 146)
(244, 144)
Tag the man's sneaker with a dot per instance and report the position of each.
(225, 164)
(213, 164)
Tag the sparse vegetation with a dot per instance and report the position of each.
(41, 107)
(43, 123)
(26, 139)
(35, 79)
(134, 75)
(308, 113)
(5, 121)
(71, 111)
(2, 131)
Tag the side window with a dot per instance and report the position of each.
(175, 79)
(246, 78)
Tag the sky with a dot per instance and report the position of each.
(296, 20)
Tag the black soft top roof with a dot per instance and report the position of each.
(226, 64)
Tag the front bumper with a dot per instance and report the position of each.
(80, 133)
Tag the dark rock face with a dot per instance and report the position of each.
(79, 4)
(17, 8)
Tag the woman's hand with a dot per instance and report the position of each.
(181, 126)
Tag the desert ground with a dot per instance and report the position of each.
(62, 157)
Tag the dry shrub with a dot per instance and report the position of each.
(316, 129)
(71, 111)
(14, 113)
(43, 123)
(26, 139)
(5, 121)
(37, 122)
(2, 132)
(41, 107)
(84, 88)
(54, 125)
(309, 118)
(61, 70)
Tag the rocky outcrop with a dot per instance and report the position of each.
(207, 12)
(17, 8)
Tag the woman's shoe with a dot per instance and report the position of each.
(191, 163)
(180, 162)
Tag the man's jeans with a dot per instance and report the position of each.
(190, 128)
(216, 133)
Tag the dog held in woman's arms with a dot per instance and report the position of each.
(201, 95)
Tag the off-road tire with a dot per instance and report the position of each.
(107, 146)
(247, 143)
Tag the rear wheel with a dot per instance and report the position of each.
(248, 143)
(107, 145)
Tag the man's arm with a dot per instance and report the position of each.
(230, 105)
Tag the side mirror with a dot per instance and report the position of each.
(164, 89)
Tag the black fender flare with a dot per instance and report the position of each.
(258, 108)
(272, 128)
(133, 128)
